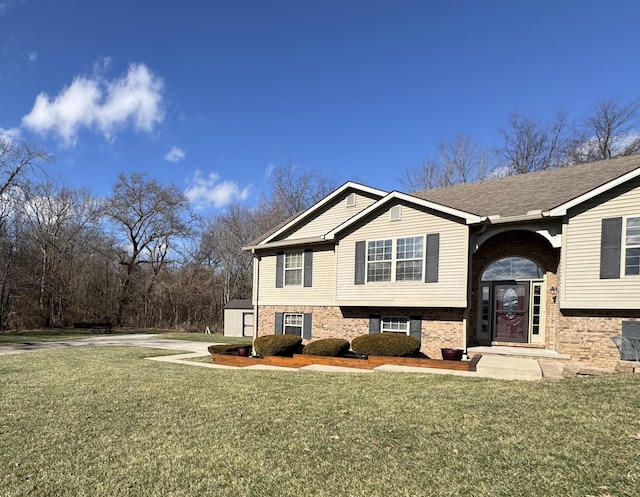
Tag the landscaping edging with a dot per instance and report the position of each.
(372, 362)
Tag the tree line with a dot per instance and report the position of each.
(143, 258)
(528, 143)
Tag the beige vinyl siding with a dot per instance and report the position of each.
(449, 291)
(333, 216)
(582, 287)
(321, 293)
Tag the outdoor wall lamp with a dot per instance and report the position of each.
(553, 291)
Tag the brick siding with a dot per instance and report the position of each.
(440, 327)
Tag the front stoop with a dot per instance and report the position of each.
(508, 368)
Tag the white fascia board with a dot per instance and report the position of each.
(561, 210)
(323, 202)
(468, 218)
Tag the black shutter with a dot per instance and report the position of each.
(306, 326)
(279, 269)
(361, 253)
(308, 267)
(374, 324)
(610, 247)
(279, 330)
(415, 327)
(433, 258)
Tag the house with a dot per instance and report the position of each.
(543, 265)
(238, 318)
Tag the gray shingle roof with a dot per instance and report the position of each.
(238, 304)
(544, 190)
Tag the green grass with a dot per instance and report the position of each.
(50, 335)
(106, 422)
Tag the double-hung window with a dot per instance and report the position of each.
(395, 260)
(293, 324)
(293, 266)
(632, 247)
(409, 258)
(379, 256)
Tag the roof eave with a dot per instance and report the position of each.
(561, 210)
(466, 216)
(288, 243)
(320, 204)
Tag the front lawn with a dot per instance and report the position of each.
(51, 335)
(106, 422)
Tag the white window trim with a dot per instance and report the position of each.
(624, 247)
(403, 319)
(285, 268)
(289, 315)
(394, 259)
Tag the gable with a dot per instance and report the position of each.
(343, 207)
(586, 283)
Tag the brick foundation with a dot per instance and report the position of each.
(440, 327)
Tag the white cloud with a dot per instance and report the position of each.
(209, 191)
(175, 154)
(9, 136)
(32, 56)
(134, 99)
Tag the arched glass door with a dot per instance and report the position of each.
(511, 301)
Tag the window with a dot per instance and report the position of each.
(632, 247)
(379, 254)
(408, 255)
(293, 264)
(394, 325)
(351, 200)
(293, 324)
(409, 259)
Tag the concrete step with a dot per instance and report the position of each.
(508, 368)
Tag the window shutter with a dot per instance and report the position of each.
(306, 326)
(279, 269)
(279, 323)
(610, 247)
(308, 267)
(374, 324)
(361, 252)
(415, 327)
(433, 257)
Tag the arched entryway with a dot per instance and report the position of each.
(511, 293)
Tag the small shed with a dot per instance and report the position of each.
(238, 318)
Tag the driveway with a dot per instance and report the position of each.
(134, 340)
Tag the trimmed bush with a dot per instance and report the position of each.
(333, 347)
(280, 345)
(386, 344)
(225, 348)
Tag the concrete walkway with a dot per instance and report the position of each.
(487, 367)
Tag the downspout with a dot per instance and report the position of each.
(256, 288)
(467, 311)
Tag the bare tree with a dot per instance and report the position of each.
(610, 130)
(532, 145)
(460, 160)
(294, 189)
(148, 218)
(57, 217)
(16, 159)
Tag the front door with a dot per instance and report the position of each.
(511, 311)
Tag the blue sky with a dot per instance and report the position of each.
(211, 95)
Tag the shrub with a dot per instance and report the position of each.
(334, 347)
(386, 344)
(281, 345)
(225, 348)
